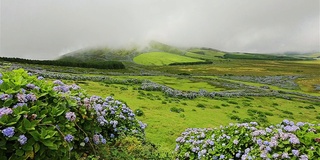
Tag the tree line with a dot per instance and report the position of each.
(88, 64)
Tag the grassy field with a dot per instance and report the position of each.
(168, 116)
(162, 58)
(164, 125)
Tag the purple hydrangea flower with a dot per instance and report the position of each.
(31, 97)
(304, 157)
(68, 138)
(295, 152)
(75, 87)
(58, 82)
(8, 132)
(287, 122)
(238, 155)
(235, 141)
(22, 139)
(21, 98)
(31, 86)
(40, 78)
(86, 140)
(71, 116)
(5, 96)
(285, 156)
(19, 105)
(1, 81)
(5, 111)
(294, 140)
(221, 156)
(96, 139)
(103, 141)
(275, 155)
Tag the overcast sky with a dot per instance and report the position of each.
(45, 29)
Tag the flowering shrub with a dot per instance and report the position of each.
(286, 140)
(43, 120)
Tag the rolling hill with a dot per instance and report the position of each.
(157, 53)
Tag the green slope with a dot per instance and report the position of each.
(162, 58)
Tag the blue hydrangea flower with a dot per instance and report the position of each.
(5, 111)
(40, 78)
(22, 139)
(295, 152)
(103, 141)
(1, 81)
(238, 155)
(68, 138)
(71, 116)
(8, 132)
(5, 96)
(86, 140)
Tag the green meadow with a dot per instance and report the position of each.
(294, 87)
(162, 58)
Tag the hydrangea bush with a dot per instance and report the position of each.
(42, 120)
(286, 140)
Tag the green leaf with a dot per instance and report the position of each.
(35, 135)
(36, 147)
(47, 143)
(19, 152)
(27, 147)
(28, 125)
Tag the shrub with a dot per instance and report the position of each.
(45, 120)
(287, 112)
(177, 110)
(138, 112)
(286, 140)
(199, 105)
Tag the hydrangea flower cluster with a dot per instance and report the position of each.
(68, 138)
(22, 139)
(8, 132)
(1, 81)
(57, 119)
(250, 141)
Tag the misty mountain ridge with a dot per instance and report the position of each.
(128, 53)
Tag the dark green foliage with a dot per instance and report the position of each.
(131, 148)
(216, 107)
(232, 102)
(235, 117)
(138, 112)
(268, 113)
(188, 63)
(225, 105)
(287, 112)
(70, 63)
(199, 105)
(177, 110)
(257, 56)
(309, 107)
(184, 74)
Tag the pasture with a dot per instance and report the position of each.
(161, 58)
(174, 98)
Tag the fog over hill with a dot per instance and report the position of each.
(46, 29)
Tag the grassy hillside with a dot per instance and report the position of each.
(101, 54)
(162, 58)
(205, 54)
(258, 56)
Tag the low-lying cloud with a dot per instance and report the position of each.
(45, 29)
